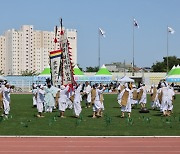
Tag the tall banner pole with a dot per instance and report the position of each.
(99, 59)
(167, 50)
(50, 69)
(61, 59)
(133, 51)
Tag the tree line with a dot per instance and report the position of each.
(156, 67)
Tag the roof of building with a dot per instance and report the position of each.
(174, 71)
(77, 71)
(103, 71)
(46, 71)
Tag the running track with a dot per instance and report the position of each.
(89, 145)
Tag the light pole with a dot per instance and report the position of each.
(135, 24)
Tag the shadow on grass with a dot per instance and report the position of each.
(117, 116)
(90, 116)
(116, 107)
(158, 114)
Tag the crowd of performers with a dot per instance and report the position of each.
(47, 98)
(162, 97)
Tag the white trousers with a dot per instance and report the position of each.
(40, 107)
(97, 105)
(6, 106)
(34, 101)
(77, 108)
(62, 106)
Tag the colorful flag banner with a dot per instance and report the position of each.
(67, 69)
(60, 61)
(55, 54)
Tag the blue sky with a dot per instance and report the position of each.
(115, 17)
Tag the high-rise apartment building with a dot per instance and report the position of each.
(28, 49)
(2, 52)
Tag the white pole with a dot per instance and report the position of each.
(167, 49)
(133, 51)
(99, 60)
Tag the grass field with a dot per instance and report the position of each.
(22, 121)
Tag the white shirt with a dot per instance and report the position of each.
(87, 89)
(6, 93)
(40, 95)
(98, 92)
(63, 94)
(77, 96)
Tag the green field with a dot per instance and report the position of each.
(22, 121)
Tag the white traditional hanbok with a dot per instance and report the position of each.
(165, 98)
(63, 98)
(6, 100)
(134, 99)
(49, 101)
(171, 94)
(153, 92)
(97, 103)
(34, 92)
(143, 98)
(69, 103)
(77, 101)
(120, 89)
(127, 107)
(40, 99)
(156, 100)
(87, 90)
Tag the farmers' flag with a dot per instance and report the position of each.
(102, 32)
(170, 30)
(135, 23)
(55, 54)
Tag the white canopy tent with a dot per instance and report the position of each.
(126, 79)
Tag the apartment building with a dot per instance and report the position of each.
(28, 49)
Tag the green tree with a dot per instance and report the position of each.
(162, 66)
(92, 69)
(80, 67)
(29, 73)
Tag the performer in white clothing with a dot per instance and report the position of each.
(62, 99)
(134, 100)
(40, 100)
(171, 97)
(97, 103)
(69, 103)
(153, 92)
(77, 100)
(6, 99)
(34, 92)
(126, 100)
(120, 89)
(87, 93)
(142, 96)
(165, 98)
(49, 101)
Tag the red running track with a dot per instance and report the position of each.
(89, 145)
